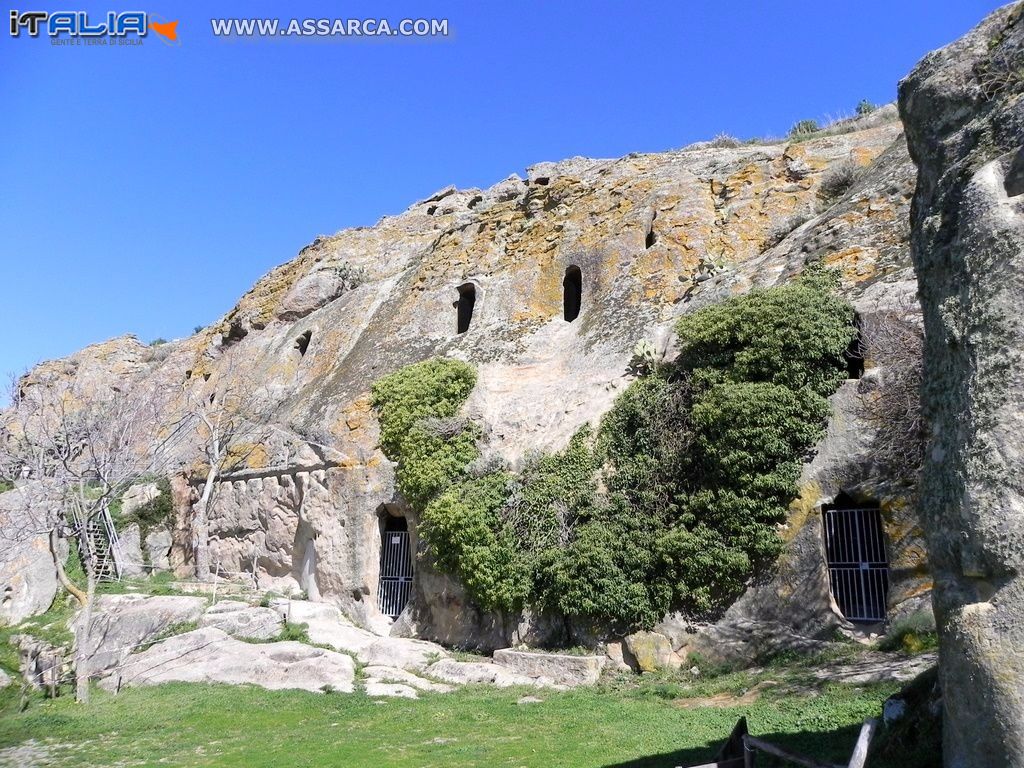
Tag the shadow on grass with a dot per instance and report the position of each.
(828, 746)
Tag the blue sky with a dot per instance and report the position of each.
(144, 190)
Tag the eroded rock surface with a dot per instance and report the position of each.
(121, 623)
(209, 655)
(964, 112)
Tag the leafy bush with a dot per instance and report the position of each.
(158, 341)
(838, 180)
(673, 503)
(725, 141)
(911, 634)
(804, 127)
(155, 513)
(410, 402)
(6, 485)
(865, 107)
(793, 335)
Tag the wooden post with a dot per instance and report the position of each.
(860, 751)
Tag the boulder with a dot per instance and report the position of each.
(5, 680)
(468, 672)
(560, 668)
(394, 690)
(129, 542)
(325, 625)
(120, 623)
(401, 652)
(395, 675)
(28, 577)
(210, 655)
(137, 495)
(243, 621)
(158, 547)
(652, 651)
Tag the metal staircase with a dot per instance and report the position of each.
(98, 545)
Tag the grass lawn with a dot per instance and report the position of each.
(622, 723)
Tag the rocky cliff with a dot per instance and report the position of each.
(652, 237)
(964, 113)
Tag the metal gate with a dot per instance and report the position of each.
(395, 573)
(858, 569)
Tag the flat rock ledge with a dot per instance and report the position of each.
(210, 655)
(560, 668)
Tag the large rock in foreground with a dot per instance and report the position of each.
(210, 655)
(28, 577)
(963, 108)
(121, 623)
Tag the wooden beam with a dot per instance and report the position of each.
(785, 754)
(860, 751)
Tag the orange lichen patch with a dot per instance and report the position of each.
(800, 509)
(863, 156)
(248, 456)
(855, 263)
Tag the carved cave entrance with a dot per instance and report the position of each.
(572, 293)
(858, 568)
(464, 306)
(396, 571)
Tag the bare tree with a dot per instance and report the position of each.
(73, 450)
(226, 418)
(894, 341)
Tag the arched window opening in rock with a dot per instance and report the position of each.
(572, 293)
(465, 305)
(858, 567)
(302, 343)
(431, 210)
(854, 353)
(395, 584)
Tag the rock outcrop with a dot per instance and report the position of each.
(28, 578)
(210, 655)
(653, 236)
(963, 107)
(122, 623)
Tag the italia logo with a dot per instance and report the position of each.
(80, 24)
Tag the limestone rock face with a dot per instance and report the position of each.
(209, 655)
(964, 113)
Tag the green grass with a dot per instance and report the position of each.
(194, 725)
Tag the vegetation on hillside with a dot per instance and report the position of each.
(673, 502)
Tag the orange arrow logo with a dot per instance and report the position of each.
(168, 29)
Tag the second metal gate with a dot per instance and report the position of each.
(395, 573)
(858, 568)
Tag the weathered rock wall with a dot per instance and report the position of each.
(654, 236)
(964, 111)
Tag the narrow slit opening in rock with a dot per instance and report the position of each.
(464, 306)
(572, 293)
